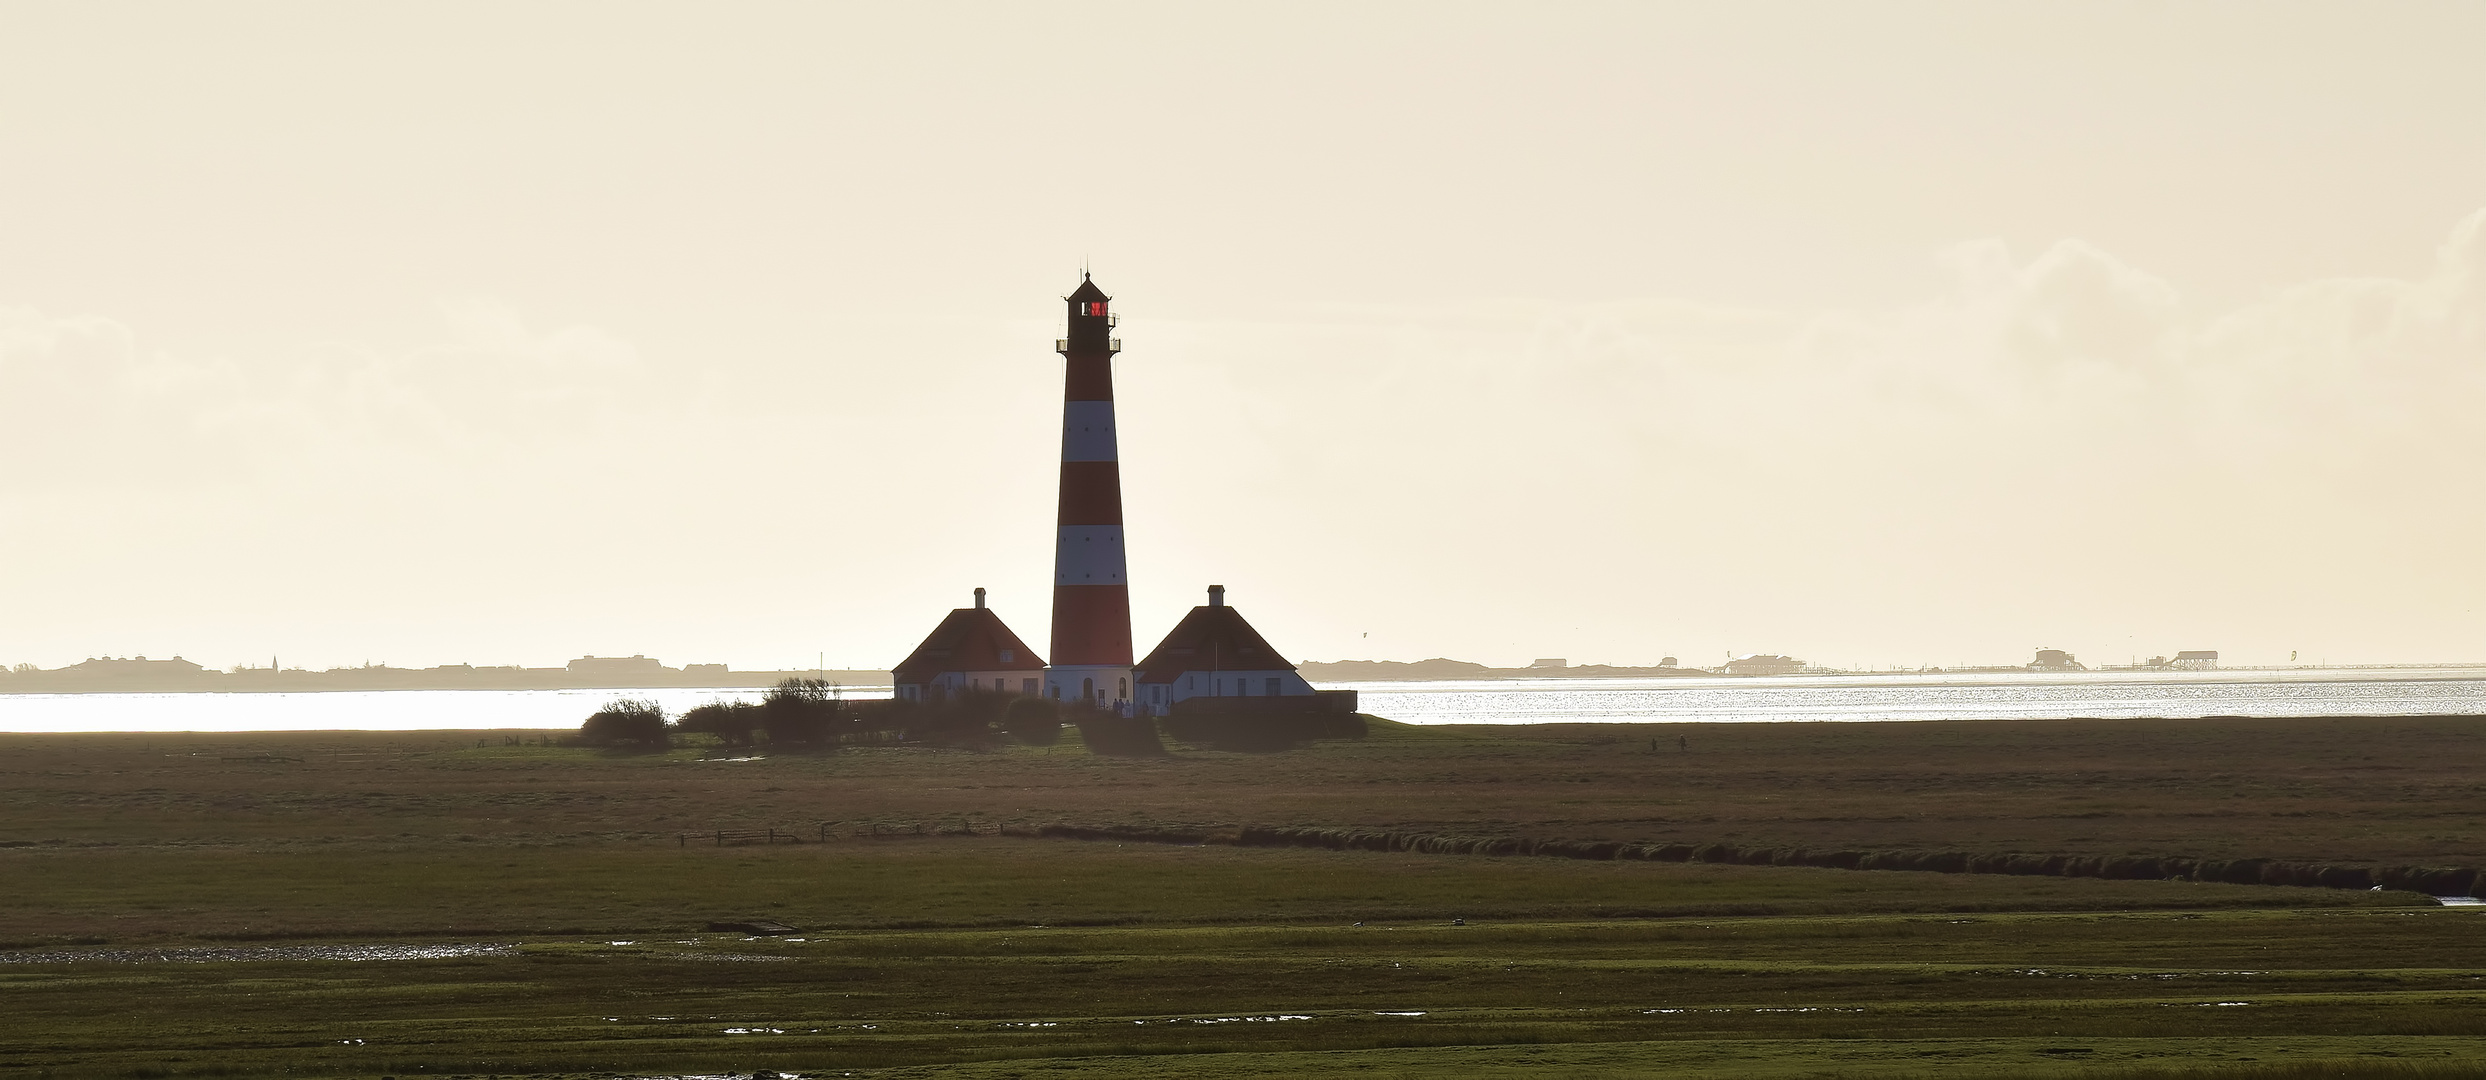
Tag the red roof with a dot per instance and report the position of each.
(1211, 638)
(970, 639)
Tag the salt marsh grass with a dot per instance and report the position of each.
(938, 937)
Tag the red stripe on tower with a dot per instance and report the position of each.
(1091, 595)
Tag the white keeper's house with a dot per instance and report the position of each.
(1214, 653)
(971, 650)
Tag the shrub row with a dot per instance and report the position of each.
(809, 713)
(627, 722)
(2433, 881)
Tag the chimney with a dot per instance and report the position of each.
(979, 597)
(1216, 596)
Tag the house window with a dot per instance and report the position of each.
(1008, 657)
(1273, 688)
(1027, 685)
(1122, 690)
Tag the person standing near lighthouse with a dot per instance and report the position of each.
(1091, 593)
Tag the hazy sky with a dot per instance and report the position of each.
(1869, 333)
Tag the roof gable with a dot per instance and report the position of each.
(968, 639)
(1211, 638)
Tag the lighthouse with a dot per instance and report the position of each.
(1091, 591)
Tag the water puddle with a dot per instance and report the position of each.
(1210, 1020)
(761, 1075)
(219, 954)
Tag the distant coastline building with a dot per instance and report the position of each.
(1214, 653)
(2056, 660)
(615, 667)
(1550, 662)
(971, 650)
(2195, 660)
(1764, 664)
(132, 671)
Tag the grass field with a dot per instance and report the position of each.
(2357, 790)
(145, 878)
(1785, 995)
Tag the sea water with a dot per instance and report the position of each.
(1934, 696)
(351, 710)
(2011, 695)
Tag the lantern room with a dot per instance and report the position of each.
(1091, 322)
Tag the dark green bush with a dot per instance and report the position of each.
(734, 722)
(1033, 720)
(801, 712)
(626, 722)
(968, 718)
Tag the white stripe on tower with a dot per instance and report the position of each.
(1088, 555)
(1088, 431)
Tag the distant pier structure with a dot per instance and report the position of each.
(2056, 660)
(1091, 590)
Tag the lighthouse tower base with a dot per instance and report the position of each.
(1100, 686)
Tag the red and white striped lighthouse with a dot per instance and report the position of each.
(1091, 594)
